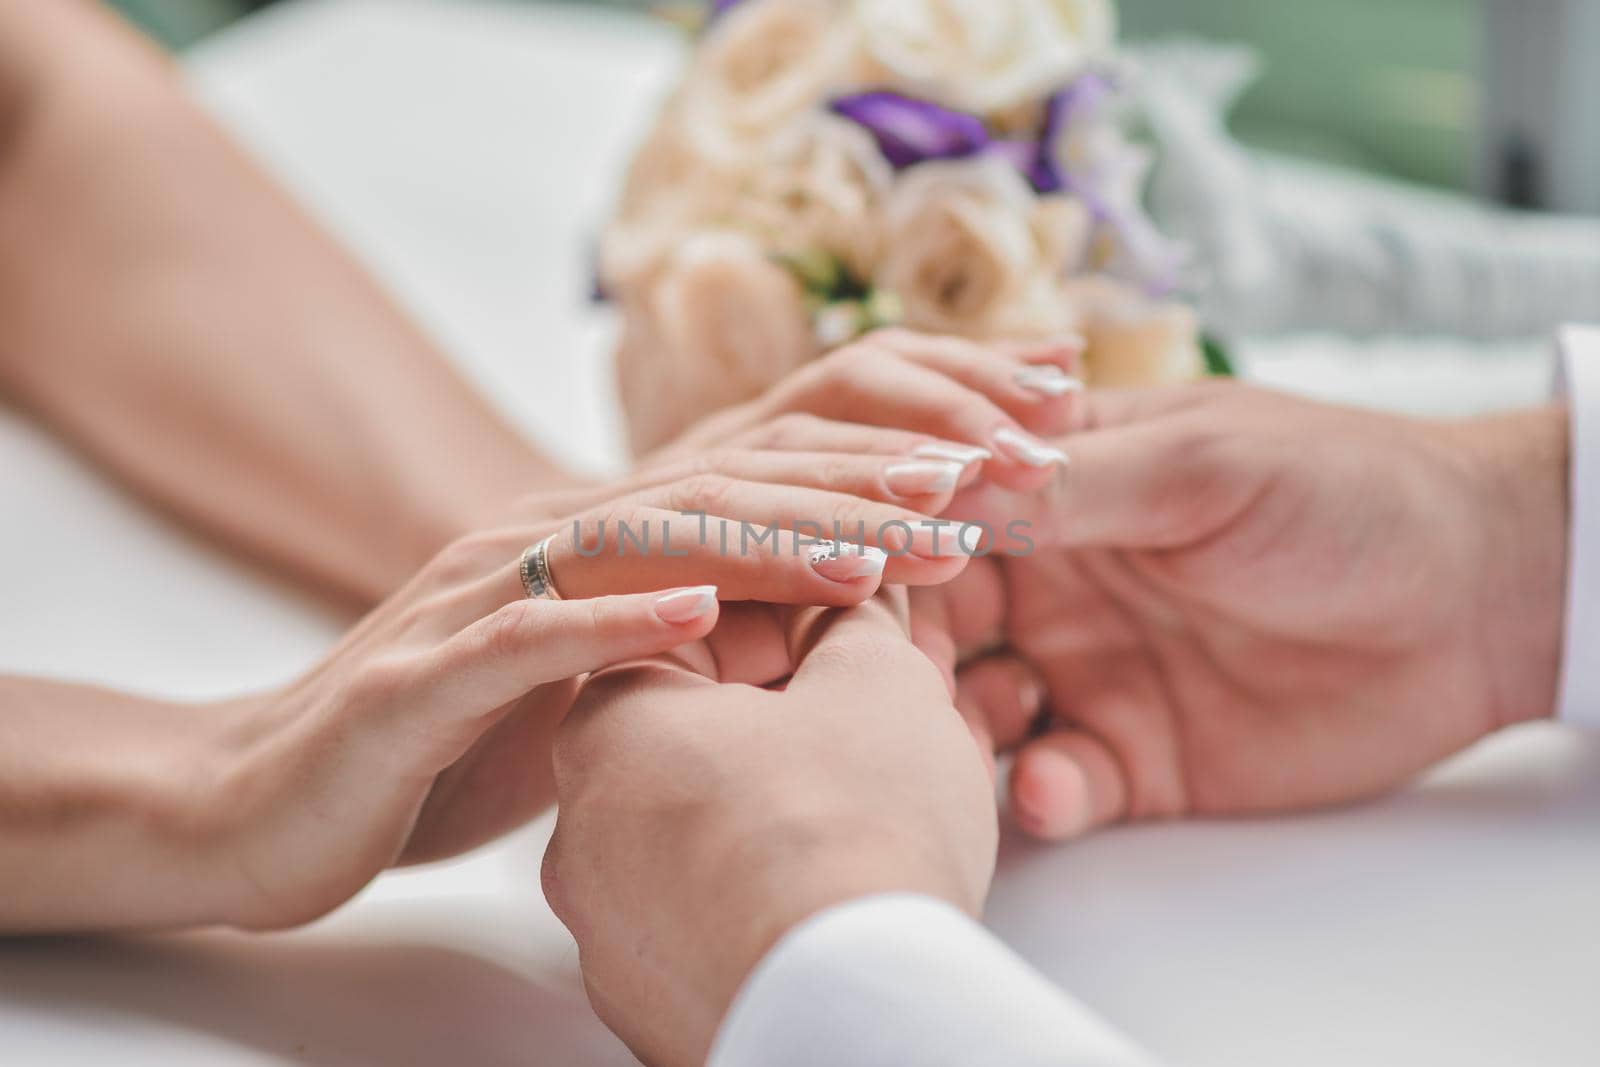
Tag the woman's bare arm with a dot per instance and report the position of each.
(172, 313)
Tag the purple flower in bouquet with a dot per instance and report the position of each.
(720, 8)
(1068, 111)
(911, 131)
(1082, 152)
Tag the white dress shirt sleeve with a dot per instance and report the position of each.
(907, 981)
(1579, 376)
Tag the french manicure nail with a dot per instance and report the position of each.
(923, 479)
(970, 539)
(966, 455)
(1029, 450)
(839, 562)
(687, 605)
(1048, 381)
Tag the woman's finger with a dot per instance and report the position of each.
(925, 486)
(890, 391)
(529, 643)
(1065, 785)
(1064, 352)
(656, 549)
(921, 550)
(1033, 382)
(758, 541)
(651, 549)
(798, 432)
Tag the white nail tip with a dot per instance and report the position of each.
(920, 479)
(842, 562)
(1050, 381)
(1028, 450)
(962, 454)
(971, 539)
(873, 561)
(686, 605)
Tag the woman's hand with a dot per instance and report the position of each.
(896, 393)
(427, 731)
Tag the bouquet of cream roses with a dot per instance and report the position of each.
(827, 167)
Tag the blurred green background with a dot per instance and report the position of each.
(179, 23)
(1387, 85)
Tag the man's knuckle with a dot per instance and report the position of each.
(555, 889)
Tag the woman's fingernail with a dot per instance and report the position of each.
(923, 479)
(970, 539)
(1029, 450)
(966, 455)
(1048, 381)
(839, 562)
(945, 540)
(687, 605)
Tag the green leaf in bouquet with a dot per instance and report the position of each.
(819, 273)
(1218, 363)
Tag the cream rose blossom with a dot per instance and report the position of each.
(763, 65)
(1092, 23)
(984, 56)
(968, 249)
(823, 192)
(673, 188)
(717, 325)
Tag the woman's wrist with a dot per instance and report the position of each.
(120, 786)
(191, 827)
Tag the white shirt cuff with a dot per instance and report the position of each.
(1578, 374)
(907, 981)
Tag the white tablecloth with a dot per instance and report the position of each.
(467, 151)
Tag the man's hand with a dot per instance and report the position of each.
(1243, 602)
(701, 821)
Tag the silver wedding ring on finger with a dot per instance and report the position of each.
(535, 571)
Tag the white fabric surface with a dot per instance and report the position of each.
(898, 980)
(1579, 353)
(466, 150)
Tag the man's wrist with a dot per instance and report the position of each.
(820, 872)
(1523, 461)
